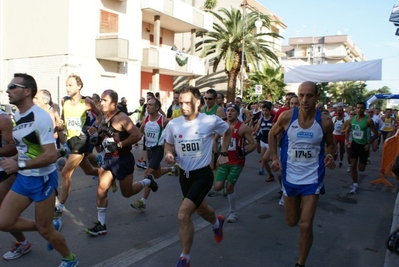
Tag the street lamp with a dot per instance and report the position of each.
(244, 11)
(258, 25)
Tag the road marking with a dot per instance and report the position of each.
(134, 255)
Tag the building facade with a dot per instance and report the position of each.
(125, 45)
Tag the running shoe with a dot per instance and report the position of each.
(153, 185)
(218, 233)
(340, 164)
(281, 202)
(348, 170)
(354, 189)
(142, 165)
(138, 205)
(213, 193)
(57, 223)
(261, 171)
(368, 161)
(232, 217)
(98, 229)
(183, 262)
(58, 211)
(176, 172)
(136, 146)
(66, 263)
(17, 250)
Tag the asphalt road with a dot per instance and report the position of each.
(349, 230)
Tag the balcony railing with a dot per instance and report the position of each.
(171, 62)
(176, 15)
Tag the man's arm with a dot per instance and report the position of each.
(90, 105)
(6, 127)
(127, 125)
(246, 132)
(371, 124)
(328, 128)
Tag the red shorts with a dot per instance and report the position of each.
(339, 138)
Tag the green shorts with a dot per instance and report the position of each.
(228, 172)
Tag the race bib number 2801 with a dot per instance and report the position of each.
(191, 148)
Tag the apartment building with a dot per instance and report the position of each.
(218, 79)
(323, 50)
(125, 45)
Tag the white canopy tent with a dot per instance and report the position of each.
(354, 71)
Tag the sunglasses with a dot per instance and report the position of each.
(208, 98)
(12, 86)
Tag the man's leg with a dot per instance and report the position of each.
(4, 188)
(186, 227)
(70, 165)
(44, 224)
(309, 205)
(11, 208)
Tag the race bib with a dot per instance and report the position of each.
(232, 145)
(387, 125)
(152, 137)
(191, 148)
(358, 134)
(73, 124)
(302, 154)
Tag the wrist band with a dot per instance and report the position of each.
(329, 156)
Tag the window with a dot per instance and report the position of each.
(152, 40)
(108, 22)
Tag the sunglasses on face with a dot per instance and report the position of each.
(208, 98)
(12, 86)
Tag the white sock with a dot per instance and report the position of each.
(172, 169)
(101, 212)
(24, 243)
(216, 225)
(232, 201)
(144, 200)
(356, 184)
(186, 256)
(61, 206)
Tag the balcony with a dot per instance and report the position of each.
(167, 62)
(113, 49)
(176, 15)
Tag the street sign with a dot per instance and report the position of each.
(258, 89)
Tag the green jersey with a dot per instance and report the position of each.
(359, 130)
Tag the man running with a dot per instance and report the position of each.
(78, 131)
(37, 178)
(191, 137)
(307, 135)
(118, 134)
(227, 174)
(152, 128)
(360, 145)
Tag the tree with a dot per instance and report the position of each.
(226, 40)
(271, 80)
(210, 4)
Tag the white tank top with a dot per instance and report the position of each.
(302, 152)
(338, 125)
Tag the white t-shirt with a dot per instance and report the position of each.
(33, 129)
(193, 140)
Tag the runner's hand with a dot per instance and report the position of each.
(169, 159)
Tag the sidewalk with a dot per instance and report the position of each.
(392, 258)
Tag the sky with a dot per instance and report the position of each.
(366, 22)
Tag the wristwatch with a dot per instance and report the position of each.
(224, 154)
(21, 165)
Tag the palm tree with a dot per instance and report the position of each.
(271, 80)
(226, 39)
